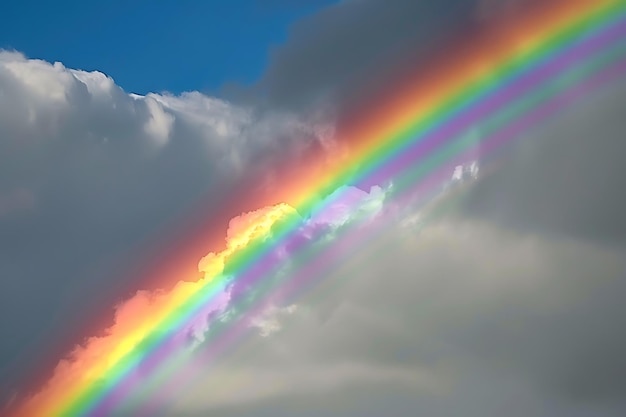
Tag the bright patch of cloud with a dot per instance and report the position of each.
(160, 123)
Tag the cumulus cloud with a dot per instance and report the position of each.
(160, 123)
(89, 172)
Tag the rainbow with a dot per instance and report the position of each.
(497, 86)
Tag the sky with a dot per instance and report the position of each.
(147, 47)
(133, 133)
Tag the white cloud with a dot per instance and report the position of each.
(67, 97)
(78, 162)
(99, 85)
(268, 322)
(213, 115)
(50, 83)
(159, 125)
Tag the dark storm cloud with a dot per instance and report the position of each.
(566, 177)
(563, 181)
(350, 48)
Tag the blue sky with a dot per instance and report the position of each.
(152, 46)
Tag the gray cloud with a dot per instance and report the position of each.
(89, 174)
(346, 52)
(464, 316)
(510, 302)
(510, 306)
(565, 177)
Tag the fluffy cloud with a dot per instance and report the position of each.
(89, 172)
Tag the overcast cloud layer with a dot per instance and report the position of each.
(511, 305)
(464, 319)
(497, 308)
